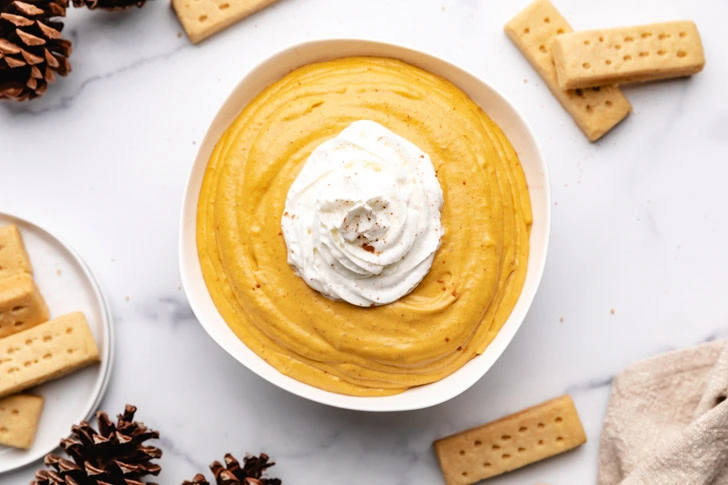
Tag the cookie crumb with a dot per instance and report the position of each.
(126, 298)
(58, 272)
(179, 35)
(561, 319)
(611, 311)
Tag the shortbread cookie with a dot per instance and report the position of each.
(13, 256)
(21, 305)
(595, 110)
(511, 442)
(629, 54)
(19, 417)
(45, 352)
(203, 18)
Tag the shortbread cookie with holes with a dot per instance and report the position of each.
(629, 54)
(45, 352)
(21, 304)
(13, 256)
(517, 440)
(595, 110)
(204, 18)
(19, 417)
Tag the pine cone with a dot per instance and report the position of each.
(113, 455)
(109, 5)
(232, 474)
(31, 47)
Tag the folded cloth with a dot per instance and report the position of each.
(667, 421)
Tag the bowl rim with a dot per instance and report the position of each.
(190, 270)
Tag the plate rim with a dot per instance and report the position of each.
(107, 348)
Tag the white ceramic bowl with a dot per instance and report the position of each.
(492, 103)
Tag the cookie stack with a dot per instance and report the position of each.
(583, 69)
(33, 349)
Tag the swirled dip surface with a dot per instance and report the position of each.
(476, 275)
(362, 219)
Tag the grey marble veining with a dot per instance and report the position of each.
(636, 264)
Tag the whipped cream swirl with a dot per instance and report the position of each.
(362, 219)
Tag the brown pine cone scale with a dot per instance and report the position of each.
(251, 473)
(113, 455)
(110, 5)
(32, 50)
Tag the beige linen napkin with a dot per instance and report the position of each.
(667, 421)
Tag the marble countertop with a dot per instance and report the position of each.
(636, 264)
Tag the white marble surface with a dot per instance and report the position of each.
(638, 227)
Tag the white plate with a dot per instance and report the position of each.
(67, 285)
(493, 103)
